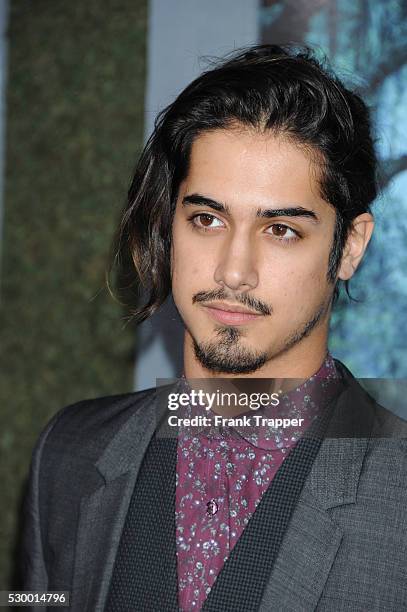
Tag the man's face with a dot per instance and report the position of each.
(250, 233)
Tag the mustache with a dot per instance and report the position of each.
(244, 299)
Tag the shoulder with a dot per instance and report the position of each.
(386, 457)
(86, 415)
(362, 415)
(84, 429)
(389, 425)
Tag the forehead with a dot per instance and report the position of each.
(245, 168)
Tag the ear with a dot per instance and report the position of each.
(356, 244)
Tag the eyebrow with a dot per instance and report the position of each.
(263, 213)
(200, 200)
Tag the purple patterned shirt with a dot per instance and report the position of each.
(222, 474)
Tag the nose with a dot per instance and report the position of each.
(236, 268)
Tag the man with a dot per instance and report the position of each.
(251, 202)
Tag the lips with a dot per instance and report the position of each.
(231, 315)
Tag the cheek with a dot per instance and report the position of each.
(191, 262)
(192, 271)
(293, 278)
(187, 261)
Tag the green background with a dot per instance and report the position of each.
(76, 77)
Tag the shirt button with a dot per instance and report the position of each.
(212, 507)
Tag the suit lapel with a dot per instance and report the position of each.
(312, 540)
(101, 519)
(103, 511)
(305, 559)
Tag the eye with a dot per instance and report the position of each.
(206, 221)
(282, 232)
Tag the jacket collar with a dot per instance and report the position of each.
(127, 447)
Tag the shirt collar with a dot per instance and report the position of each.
(305, 402)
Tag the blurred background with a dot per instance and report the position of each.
(80, 86)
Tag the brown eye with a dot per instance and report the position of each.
(279, 230)
(282, 232)
(206, 220)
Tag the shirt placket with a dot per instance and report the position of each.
(216, 540)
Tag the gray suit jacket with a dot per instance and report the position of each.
(345, 547)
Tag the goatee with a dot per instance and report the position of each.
(226, 355)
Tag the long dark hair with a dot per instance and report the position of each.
(281, 88)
